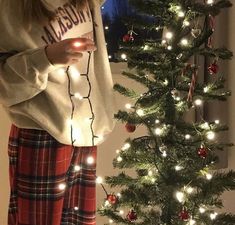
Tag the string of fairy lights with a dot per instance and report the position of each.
(161, 129)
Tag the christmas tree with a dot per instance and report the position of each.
(176, 181)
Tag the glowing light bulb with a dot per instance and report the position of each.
(163, 41)
(157, 121)
(166, 82)
(180, 196)
(217, 122)
(117, 151)
(77, 168)
(169, 35)
(181, 14)
(213, 215)
(205, 89)
(184, 42)
(192, 222)
(119, 195)
(128, 106)
(202, 210)
(106, 27)
(169, 47)
(90, 160)
(187, 136)
(74, 73)
(121, 212)
(178, 168)
(61, 71)
(78, 96)
(99, 180)
(77, 44)
(110, 221)
(110, 57)
(209, 176)
(126, 146)
(146, 47)
(210, 135)
(198, 102)
(210, 2)
(62, 186)
(158, 131)
(119, 159)
(186, 23)
(189, 190)
(76, 208)
(164, 154)
(140, 112)
(150, 173)
(123, 56)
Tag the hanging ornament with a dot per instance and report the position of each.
(192, 85)
(130, 127)
(112, 199)
(184, 215)
(213, 68)
(129, 36)
(195, 32)
(202, 152)
(132, 215)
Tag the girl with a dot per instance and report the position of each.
(56, 87)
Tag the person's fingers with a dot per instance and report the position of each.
(77, 55)
(82, 48)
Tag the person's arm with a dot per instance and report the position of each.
(23, 75)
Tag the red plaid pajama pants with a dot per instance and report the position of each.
(42, 192)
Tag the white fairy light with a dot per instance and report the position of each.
(106, 27)
(157, 28)
(205, 89)
(106, 203)
(187, 136)
(119, 159)
(184, 42)
(158, 131)
(186, 23)
(213, 215)
(76, 208)
(210, 135)
(210, 2)
(202, 210)
(146, 47)
(119, 195)
(110, 221)
(169, 35)
(169, 47)
(205, 125)
(73, 71)
(163, 41)
(157, 121)
(121, 212)
(178, 168)
(123, 56)
(181, 14)
(198, 102)
(126, 146)
(189, 190)
(140, 112)
(99, 180)
(77, 168)
(117, 151)
(150, 173)
(209, 176)
(164, 154)
(100, 137)
(110, 57)
(90, 160)
(217, 122)
(180, 196)
(192, 222)
(62, 186)
(69, 122)
(128, 106)
(78, 96)
(77, 44)
(61, 71)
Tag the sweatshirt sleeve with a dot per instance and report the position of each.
(23, 76)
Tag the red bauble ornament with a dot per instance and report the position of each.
(202, 152)
(128, 37)
(132, 215)
(184, 215)
(112, 199)
(130, 127)
(213, 68)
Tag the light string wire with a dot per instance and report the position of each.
(92, 118)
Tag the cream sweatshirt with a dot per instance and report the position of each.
(34, 92)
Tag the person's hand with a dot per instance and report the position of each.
(69, 51)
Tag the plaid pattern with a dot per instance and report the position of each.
(38, 167)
